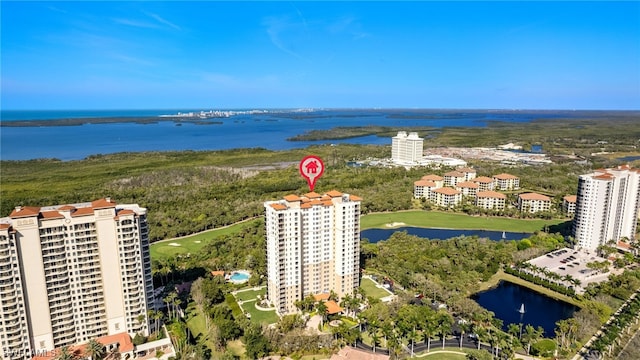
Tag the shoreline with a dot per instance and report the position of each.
(108, 120)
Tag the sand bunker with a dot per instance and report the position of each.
(174, 244)
(396, 224)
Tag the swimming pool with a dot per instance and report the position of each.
(239, 277)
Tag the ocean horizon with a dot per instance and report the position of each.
(268, 129)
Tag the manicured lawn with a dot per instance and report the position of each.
(258, 316)
(442, 356)
(444, 220)
(250, 294)
(192, 244)
(370, 289)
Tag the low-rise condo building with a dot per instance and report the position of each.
(422, 188)
(467, 188)
(468, 172)
(438, 180)
(532, 202)
(485, 183)
(452, 178)
(446, 197)
(506, 182)
(569, 204)
(491, 200)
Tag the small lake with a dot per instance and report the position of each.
(540, 310)
(375, 235)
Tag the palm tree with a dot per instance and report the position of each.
(65, 354)
(444, 323)
(464, 328)
(95, 350)
(321, 308)
(169, 300)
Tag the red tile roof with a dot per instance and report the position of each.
(424, 183)
(332, 307)
(446, 191)
(25, 211)
(217, 272)
(51, 215)
(83, 212)
(123, 340)
(505, 176)
(66, 208)
(604, 176)
(534, 196)
(355, 198)
(103, 203)
(334, 193)
(278, 206)
(5, 226)
(491, 194)
(482, 179)
(570, 198)
(292, 198)
(454, 174)
(321, 297)
(467, 184)
(312, 195)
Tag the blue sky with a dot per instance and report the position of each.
(218, 55)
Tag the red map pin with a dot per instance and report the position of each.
(311, 168)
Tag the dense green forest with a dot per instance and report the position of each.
(188, 192)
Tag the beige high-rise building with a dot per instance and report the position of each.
(406, 149)
(72, 273)
(607, 206)
(313, 247)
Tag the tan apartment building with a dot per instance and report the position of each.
(532, 202)
(569, 204)
(452, 178)
(72, 273)
(506, 182)
(313, 247)
(485, 183)
(438, 180)
(446, 197)
(422, 188)
(467, 188)
(491, 200)
(469, 173)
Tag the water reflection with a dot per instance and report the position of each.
(375, 235)
(506, 300)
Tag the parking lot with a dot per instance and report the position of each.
(574, 263)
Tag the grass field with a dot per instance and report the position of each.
(192, 244)
(369, 287)
(258, 316)
(438, 355)
(454, 221)
(250, 294)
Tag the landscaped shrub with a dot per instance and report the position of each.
(544, 347)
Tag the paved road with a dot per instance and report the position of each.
(435, 344)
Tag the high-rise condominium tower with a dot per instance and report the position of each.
(406, 148)
(313, 247)
(607, 206)
(72, 273)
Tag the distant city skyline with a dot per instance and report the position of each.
(276, 54)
